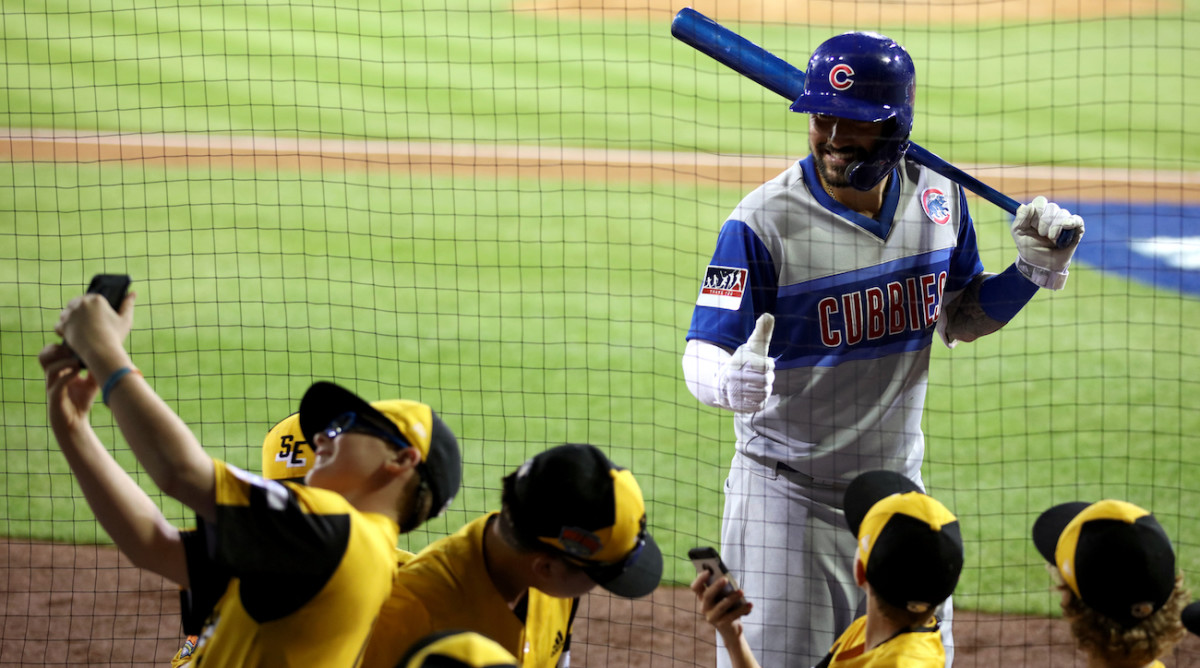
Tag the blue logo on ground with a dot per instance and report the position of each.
(1153, 243)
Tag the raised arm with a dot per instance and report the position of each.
(723, 612)
(991, 300)
(129, 516)
(158, 438)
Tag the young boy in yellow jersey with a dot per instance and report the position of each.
(570, 520)
(908, 560)
(286, 456)
(1115, 568)
(310, 565)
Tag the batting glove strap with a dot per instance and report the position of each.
(1042, 277)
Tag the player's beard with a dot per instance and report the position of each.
(837, 177)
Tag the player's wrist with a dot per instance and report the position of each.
(1003, 295)
(1041, 276)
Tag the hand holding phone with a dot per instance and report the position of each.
(113, 287)
(707, 559)
(723, 609)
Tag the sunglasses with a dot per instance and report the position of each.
(352, 423)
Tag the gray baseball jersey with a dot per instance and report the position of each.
(855, 302)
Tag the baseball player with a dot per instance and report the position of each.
(908, 560)
(570, 519)
(379, 467)
(1121, 592)
(844, 266)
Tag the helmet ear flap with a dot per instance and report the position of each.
(889, 150)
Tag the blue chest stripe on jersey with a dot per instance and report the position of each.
(891, 199)
(911, 265)
(863, 353)
(864, 314)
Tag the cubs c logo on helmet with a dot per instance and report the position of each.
(935, 205)
(839, 76)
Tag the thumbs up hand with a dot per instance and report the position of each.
(744, 382)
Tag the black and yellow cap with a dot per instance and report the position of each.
(413, 422)
(909, 543)
(1112, 554)
(575, 501)
(457, 649)
(286, 454)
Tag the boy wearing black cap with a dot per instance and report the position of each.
(1115, 567)
(570, 520)
(908, 560)
(310, 565)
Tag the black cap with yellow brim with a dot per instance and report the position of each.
(909, 543)
(411, 421)
(573, 500)
(457, 649)
(1112, 554)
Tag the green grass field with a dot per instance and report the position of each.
(531, 313)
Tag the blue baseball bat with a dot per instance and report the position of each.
(777, 75)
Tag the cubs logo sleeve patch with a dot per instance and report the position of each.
(933, 201)
(723, 287)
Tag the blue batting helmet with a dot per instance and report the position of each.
(864, 76)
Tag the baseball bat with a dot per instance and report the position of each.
(777, 75)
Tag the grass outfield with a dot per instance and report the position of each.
(1108, 92)
(528, 319)
(532, 313)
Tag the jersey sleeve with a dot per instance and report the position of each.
(282, 540)
(739, 284)
(207, 580)
(965, 263)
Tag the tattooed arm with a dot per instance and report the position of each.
(986, 304)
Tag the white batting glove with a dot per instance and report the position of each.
(744, 382)
(1036, 228)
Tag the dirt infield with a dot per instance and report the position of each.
(83, 605)
(555, 163)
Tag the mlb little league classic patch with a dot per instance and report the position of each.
(723, 287)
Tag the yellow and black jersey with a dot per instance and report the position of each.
(911, 648)
(447, 587)
(206, 585)
(307, 574)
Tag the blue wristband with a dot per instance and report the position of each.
(1003, 295)
(113, 380)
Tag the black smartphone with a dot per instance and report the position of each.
(112, 286)
(706, 559)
